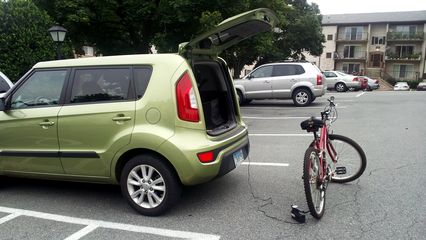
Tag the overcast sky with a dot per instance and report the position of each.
(363, 6)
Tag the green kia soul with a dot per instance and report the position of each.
(150, 123)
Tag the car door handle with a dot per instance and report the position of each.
(46, 124)
(121, 118)
(267, 81)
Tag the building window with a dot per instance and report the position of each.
(353, 52)
(404, 51)
(328, 55)
(351, 68)
(329, 37)
(404, 72)
(354, 33)
(378, 40)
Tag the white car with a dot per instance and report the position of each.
(401, 86)
(341, 82)
(5, 84)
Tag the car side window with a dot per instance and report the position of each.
(4, 87)
(97, 85)
(330, 74)
(43, 88)
(287, 70)
(141, 75)
(261, 72)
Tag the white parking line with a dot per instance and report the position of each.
(93, 224)
(273, 118)
(266, 164)
(83, 232)
(279, 135)
(359, 95)
(9, 217)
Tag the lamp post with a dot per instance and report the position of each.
(58, 35)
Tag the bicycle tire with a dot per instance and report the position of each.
(349, 155)
(315, 193)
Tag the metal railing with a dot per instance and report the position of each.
(351, 55)
(404, 56)
(349, 36)
(394, 35)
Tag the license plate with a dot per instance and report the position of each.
(238, 157)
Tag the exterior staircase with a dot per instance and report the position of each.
(377, 73)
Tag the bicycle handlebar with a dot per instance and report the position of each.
(328, 109)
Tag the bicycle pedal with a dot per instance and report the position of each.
(340, 170)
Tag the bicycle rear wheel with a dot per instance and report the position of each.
(314, 190)
(349, 156)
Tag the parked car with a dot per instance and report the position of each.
(300, 81)
(341, 82)
(147, 122)
(5, 84)
(372, 84)
(421, 86)
(401, 86)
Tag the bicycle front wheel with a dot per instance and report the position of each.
(314, 188)
(351, 159)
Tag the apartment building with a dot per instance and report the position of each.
(387, 45)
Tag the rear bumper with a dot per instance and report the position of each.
(319, 90)
(182, 149)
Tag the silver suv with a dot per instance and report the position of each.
(300, 81)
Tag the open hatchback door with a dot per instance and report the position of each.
(230, 32)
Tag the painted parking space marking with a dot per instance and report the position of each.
(359, 95)
(9, 217)
(266, 164)
(83, 232)
(273, 118)
(279, 135)
(94, 224)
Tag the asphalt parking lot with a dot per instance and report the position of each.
(253, 201)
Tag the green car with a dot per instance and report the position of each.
(150, 123)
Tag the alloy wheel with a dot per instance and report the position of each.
(146, 186)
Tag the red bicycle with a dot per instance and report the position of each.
(330, 157)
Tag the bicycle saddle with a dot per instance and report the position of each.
(311, 124)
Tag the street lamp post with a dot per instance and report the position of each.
(58, 35)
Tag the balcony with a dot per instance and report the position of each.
(352, 56)
(352, 37)
(406, 36)
(397, 57)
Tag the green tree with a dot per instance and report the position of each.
(133, 26)
(24, 39)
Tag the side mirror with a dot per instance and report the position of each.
(250, 76)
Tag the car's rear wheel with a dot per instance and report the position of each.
(302, 97)
(341, 87)
(149, 185)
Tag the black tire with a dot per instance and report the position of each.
(241, 98)
(302, 97)
(340, 87)
(349, 155)
(154, 201)
(314, 192)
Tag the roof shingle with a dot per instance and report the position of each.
(382, 17)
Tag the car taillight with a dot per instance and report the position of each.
(319, 79)
(186, 100)
(355, 79)
(206, 157)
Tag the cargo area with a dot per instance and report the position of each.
(216, 93)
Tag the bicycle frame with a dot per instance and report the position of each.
(322, 144)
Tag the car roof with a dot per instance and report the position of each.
(147, 59)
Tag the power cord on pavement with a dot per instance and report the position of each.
(268, 201)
